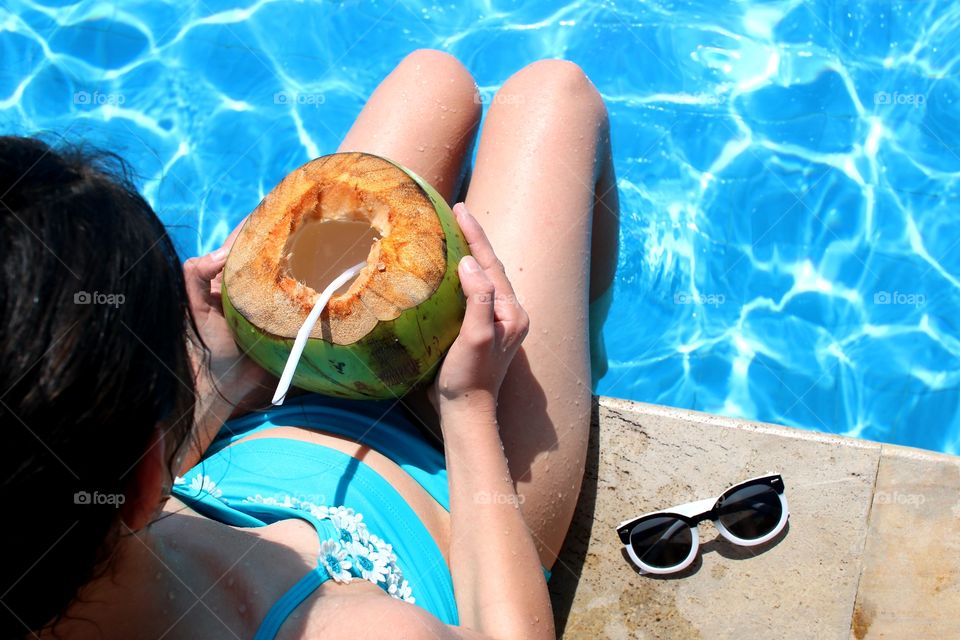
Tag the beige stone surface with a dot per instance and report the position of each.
(910, 586)
(803, 585)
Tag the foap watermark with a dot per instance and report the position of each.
(702, 299)
(98, 98)
(308, 499)
(500, 297)
(109, 299)
(899, 297)
(96, 498)
(916, 100)
(895, 497)
(495, 497)
(499, 97)
(304, 99)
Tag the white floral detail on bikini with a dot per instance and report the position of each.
(356, 553)
(202, 483)
(334, 559)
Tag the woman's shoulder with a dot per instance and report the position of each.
(338, 611)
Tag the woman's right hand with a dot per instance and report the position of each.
(493, 327)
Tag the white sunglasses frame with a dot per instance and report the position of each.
(702, 510)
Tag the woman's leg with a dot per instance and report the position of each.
(424, 115)
(545, 192)
(543, 180)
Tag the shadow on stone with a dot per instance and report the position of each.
(569, 566)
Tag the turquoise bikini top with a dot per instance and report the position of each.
(367, 530)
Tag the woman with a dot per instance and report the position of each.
(120, 372)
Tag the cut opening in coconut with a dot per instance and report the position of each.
(320, 250)
(335, 212)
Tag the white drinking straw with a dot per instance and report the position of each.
(301, 341)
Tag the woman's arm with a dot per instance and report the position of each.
(498, 582)
(497, 579)
(227, 382)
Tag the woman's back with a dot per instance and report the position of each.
(258, 472)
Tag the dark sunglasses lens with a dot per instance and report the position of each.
(751, 512)
(661, 542)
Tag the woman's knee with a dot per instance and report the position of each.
(556, 85)
(439, 71)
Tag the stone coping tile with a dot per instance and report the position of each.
(910, 582)
(645, 457)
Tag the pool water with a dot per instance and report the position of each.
(788, 170)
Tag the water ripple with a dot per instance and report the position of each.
(788, 170)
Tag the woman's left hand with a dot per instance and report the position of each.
(238, 378)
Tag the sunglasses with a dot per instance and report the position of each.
(746, 514)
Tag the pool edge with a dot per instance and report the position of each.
(858, 541)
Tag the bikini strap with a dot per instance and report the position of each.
(283, 607)
(299, 592)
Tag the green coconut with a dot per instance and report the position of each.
(385, 332)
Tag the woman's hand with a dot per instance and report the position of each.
(493, 327)
(238, 378)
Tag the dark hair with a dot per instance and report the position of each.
(95, 356)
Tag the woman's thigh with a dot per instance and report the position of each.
(424, 115)
(543, 152)
(543, 180)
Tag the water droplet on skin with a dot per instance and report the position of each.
(536, 619)
(421, 148)
(170, 596)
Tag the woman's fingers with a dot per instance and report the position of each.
(511, 320)
(199, 272)
(507, 304)
(217, 280)
(479, 290)
(480, 245)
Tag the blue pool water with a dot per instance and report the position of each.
(788, 170)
